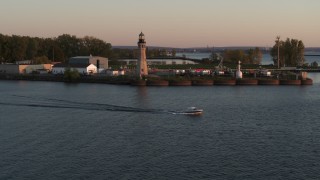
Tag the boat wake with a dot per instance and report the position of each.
(41, 102)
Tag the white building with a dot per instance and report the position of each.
(81, 68)
(142, 68)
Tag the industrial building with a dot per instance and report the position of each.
(99, 62)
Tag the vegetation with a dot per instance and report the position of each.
(251, 56)
(314, 64)
(45, 50)
(14, 48)
(214, 57)
(71, 75)
(291, 52)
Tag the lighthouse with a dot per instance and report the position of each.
(142, 69)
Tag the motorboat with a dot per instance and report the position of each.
(193, 111)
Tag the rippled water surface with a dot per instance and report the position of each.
(97, 131)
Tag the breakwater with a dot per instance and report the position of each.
(221, 82)
(162, 82)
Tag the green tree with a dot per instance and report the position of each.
(71, 75)
(2, 49)
(233, 56)
(57, 54)
(92, 45)
(69, 44)
(50, 48)
(18, 48)
(291, 52)
(32, 48)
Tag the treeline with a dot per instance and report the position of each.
(42, 50)
(250, 56)
(291, 53)
(118, 53)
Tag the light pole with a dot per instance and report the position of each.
(278, 43)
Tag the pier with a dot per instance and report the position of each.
(213, 81)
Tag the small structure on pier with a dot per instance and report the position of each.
(238, 72)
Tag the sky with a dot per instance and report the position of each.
(169, 23)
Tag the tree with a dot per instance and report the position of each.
(69, 44)
(233, 56)
(173, 52)
(314, 64)
(18, 48)
(254, 56)
(291, 52)
(92, 45)
(71, 75)
(41, 60)
(32, 48)
(50, 48)
(2, 48)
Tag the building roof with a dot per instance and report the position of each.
(85, 59)
(81, 57)
(141, 34)
(72, 65)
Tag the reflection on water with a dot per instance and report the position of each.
(142, 95)
(315, 77)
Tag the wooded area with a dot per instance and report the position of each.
(42, 50)
(45, 50)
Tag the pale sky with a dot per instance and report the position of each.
(171, 23)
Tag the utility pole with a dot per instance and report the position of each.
(278, 43)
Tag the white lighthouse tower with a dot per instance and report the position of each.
(142, 69)
(238, 72)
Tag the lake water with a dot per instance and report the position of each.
(96, 131)
(266, 58)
